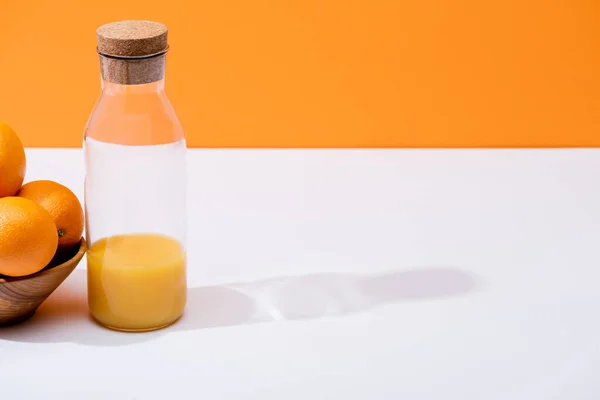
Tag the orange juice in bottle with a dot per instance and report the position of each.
(135, 185)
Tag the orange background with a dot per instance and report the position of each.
(323, 73)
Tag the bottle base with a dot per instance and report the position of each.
(134, 330)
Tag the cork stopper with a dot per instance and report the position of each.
(132, 52)
(132, 38)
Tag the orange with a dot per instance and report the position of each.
(12, 161)
(63, 206)
(28, 237)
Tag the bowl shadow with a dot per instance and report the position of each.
(64, 316)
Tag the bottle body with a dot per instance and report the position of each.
(135, 202)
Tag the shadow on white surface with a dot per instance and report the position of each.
(64, 316)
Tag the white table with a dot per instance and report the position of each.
(350, 274)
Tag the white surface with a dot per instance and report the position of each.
(350, 274)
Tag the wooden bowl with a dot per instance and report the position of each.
(21, 296)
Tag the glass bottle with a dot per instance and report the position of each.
(135, 185)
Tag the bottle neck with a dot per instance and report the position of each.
(147, 73)
(117, 89)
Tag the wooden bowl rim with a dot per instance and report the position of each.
(73, 260)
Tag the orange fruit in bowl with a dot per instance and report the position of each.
(62, 204)
(28, 237)
(12, 161)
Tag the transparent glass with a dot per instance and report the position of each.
(135, 203)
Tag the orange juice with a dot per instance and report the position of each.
(136, 282)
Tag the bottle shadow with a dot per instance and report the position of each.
(64, 316)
